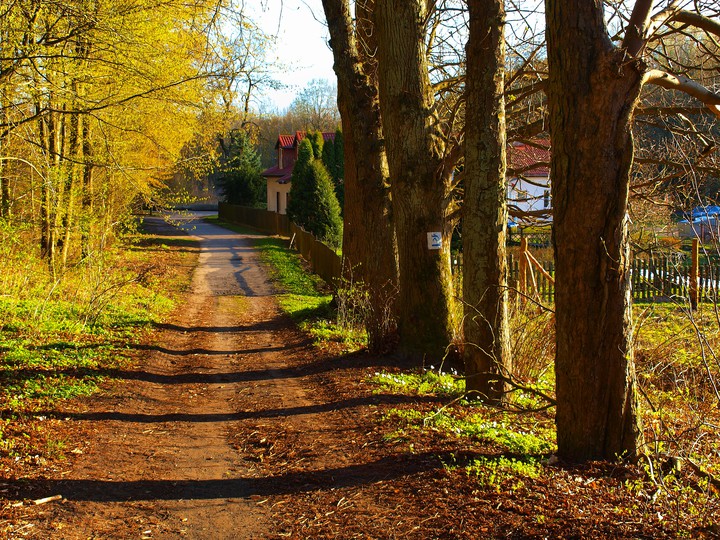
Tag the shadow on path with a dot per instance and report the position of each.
(374, 400)
(386, 468)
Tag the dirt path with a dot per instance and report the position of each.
(161, 464)
(235, 426)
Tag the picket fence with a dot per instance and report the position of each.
(654, 278)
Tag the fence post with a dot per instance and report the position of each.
(522, 268)
(694, 272)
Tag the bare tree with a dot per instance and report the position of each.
(316, 106)
(594, 88)
(369, 247)
(421, 168)
(487, 342)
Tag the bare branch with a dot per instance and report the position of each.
(690, 87)
(635, 36)
(699, 21)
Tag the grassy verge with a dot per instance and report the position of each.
(678, 367)
(62, 338)
(302, 295)
(516, 446)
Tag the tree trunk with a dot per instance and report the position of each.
(71, 172)
(4, 180)
(4, 190)
(592, 92)
(45, 241)
(87, 190)
(368, 236)
(485, 295)
(420, 180)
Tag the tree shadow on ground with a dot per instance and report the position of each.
(384, 469)
(372, 400)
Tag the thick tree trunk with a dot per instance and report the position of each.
(487, 337)
(368, 236)
(420, 180)
(592, 93)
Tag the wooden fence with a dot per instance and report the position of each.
(654, 278)
(659, 278)
(323, 260)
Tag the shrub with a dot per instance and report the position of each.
(313, 204)
(323, 219)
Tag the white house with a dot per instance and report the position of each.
(528, 189)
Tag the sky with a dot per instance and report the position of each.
(301, 45)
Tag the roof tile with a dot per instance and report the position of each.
(529, 159)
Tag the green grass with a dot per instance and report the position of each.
(463, 418)
(426, 382)
(304, 296)
(498, 471)
(62, 338)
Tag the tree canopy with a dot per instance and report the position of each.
(100, 101)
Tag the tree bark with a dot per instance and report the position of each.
(420, 180)
(87, 190)
(592, 92)
(369, 250)
(486, 327)
(4, 180)
(71, 172)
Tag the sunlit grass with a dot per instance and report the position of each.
(304, 296)
(424, 382)
(62, 336)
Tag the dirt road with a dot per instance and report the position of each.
(234, 426)
(163, 463)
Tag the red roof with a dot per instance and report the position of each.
(531, 159)
(285, 141)
(289, 142)
(283, 175)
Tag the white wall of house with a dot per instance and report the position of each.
(277, 193)
(530, 194)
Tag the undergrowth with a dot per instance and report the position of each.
(62, 336)
(677, 479)
(304, 296)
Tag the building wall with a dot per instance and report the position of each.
(273, 190)
(528, 196)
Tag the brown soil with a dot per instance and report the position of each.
(234, 425)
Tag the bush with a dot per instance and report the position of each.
(313, 204)
(324, 219)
